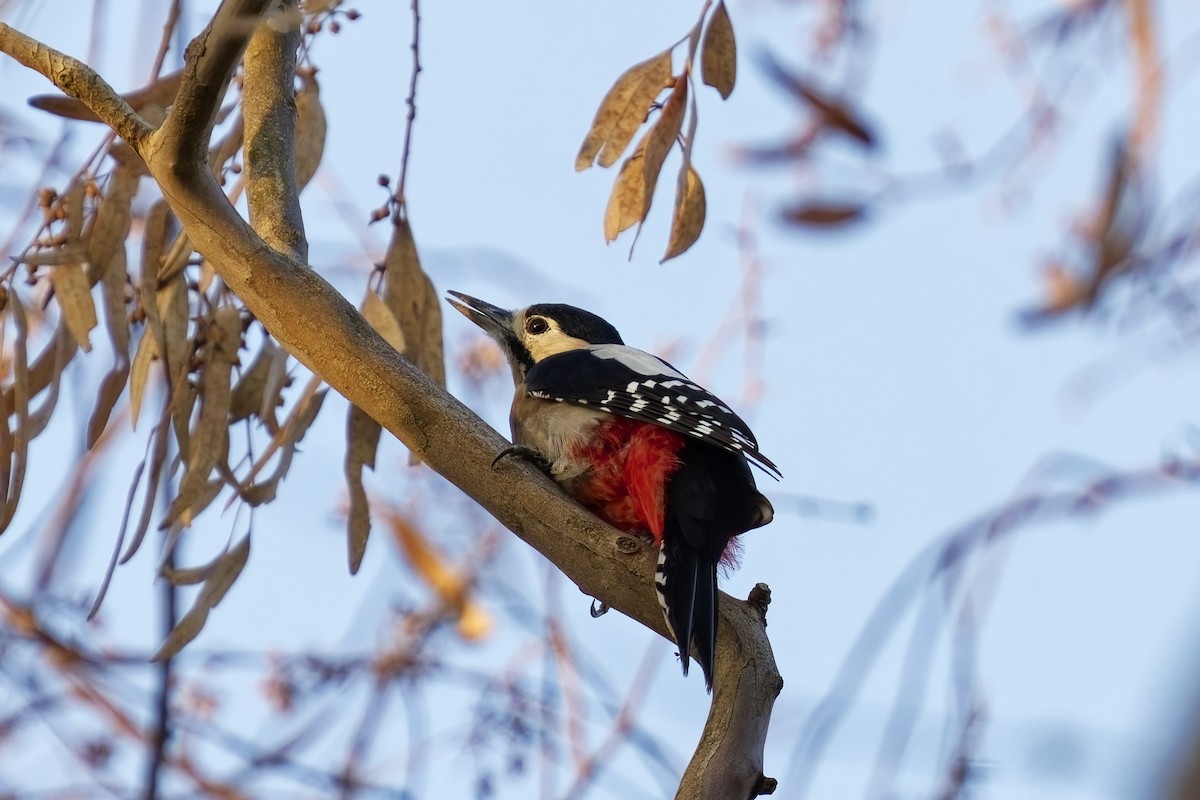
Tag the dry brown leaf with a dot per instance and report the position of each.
(207, 494)
(62, 344)
(110, 227)
(662, 138)
(216, 584)
(74, 295)
(175, 348)
(182, 401)
(362, 433)
(209, 441)
(139, 372)
(626, 203)
(110, 391)
(362, 442)
(154, 243)
(251, 386)
(376, 312)
(113, 285)
(116, 322)
(690, 208)
(6, 434)
(310, 129)
(20, 434)
(74, 201)
(301, 418)
(824, 214)
(158, 459)
(410, 295)
(277, 380)
(623, 110)
(718, 52)
(190, 576)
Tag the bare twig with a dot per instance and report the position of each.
(411, 102)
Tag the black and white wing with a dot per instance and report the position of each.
(634, 384)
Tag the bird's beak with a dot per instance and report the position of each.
(495, 321)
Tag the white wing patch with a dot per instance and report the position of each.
(639, 361)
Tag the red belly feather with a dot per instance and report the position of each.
(632, 464)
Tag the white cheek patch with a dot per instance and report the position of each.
(550, 343)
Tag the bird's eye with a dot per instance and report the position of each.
(536, 325)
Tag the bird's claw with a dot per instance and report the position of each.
(527, 453)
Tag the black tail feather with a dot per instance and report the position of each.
(687, 589)
(710, 499)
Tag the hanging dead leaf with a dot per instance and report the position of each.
(216, 585)
(74, 199)
(626, 203)
(718, 52)
(310, 129)
(15, 477)
(139, 372)
(175, 348)
(62, 344)
(116, 322)
(110, 227)
(158, 459)
(251, 386)
(74, 295)
(209, 441)
(362, 442)
(690, 208)
(824, 214)
(277, 380)
(410, 295)
(301, 418)
(376, 312)
(623, 110)
(662, 138)
(155, 231)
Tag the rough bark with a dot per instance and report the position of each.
(323, 330)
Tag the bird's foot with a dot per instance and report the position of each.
(527, 453)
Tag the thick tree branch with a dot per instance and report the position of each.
(210, 61)
(323, 330)
(269, 111)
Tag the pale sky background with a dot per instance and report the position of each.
(895, 374)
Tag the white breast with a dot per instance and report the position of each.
(554, 430)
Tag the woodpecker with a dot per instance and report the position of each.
(630, 438)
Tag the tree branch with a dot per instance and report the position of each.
(323, 331)
(77, 80)
(269, 111)
(209, 63)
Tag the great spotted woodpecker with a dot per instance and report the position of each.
(633, 440)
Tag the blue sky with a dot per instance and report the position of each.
(895, 372)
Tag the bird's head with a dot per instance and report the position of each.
(528, 335)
